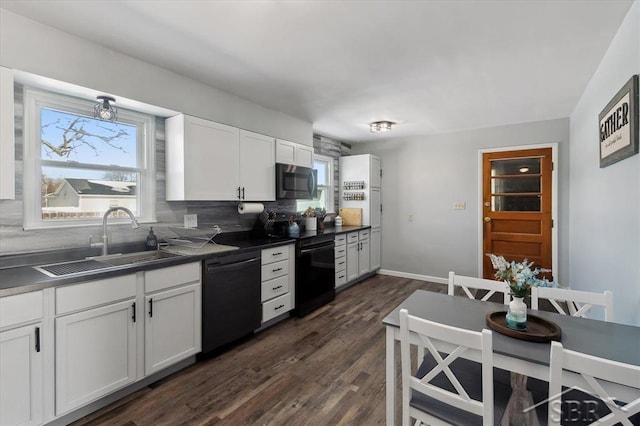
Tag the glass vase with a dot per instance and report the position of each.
(517, 314)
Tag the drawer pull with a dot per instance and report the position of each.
(277, 254)
(37, 339)
(276, 270)
(341, 263)
(278, 307)
(341, 276)
(276, 287)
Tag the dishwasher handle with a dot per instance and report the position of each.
(317, 248)
(215, 267)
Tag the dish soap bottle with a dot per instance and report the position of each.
(294, 229)
(152, 240)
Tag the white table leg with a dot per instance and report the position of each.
(391, 377)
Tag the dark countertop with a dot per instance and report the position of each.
(333, 230)
(18, 276)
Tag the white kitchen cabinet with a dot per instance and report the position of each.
(341, 259)
(375, 249)
(278, 281)
(95, 353)
(7, 144)
(257, 167)
(21, 371)
(22, 352)
(288, 152)
(95, 340)
(364, 260)
(202, 159)
(352, 261)
(212, 161)
(173, 315)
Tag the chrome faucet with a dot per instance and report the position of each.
(104, 225)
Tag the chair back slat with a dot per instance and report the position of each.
(467, 283)
(594, 373)
(428, 334)
(579, 303)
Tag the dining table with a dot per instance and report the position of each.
(609, 340)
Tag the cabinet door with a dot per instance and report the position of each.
(172, 326)
(364, 257)
(95, 354)
(7, 146)
(257, 167)
(375, 172)
(285, 152)
(352, 261)
(304, 155)
(21, 379)
(374, 207)
(375, 240)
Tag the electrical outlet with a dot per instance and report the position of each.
(459, 205)
(190, 220)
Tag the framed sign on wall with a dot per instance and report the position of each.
(618, 124)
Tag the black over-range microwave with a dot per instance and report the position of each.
(296, 182)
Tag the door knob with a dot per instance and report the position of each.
(487, 219)
(487, 204)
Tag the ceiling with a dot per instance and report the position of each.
(430, 66)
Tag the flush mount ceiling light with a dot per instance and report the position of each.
(380, 126)
(103, 110)
(523, 169)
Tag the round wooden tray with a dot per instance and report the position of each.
(538, 329)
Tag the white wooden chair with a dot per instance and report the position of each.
(452, 390)
(467, 283)
(578, 302)
(598, 407)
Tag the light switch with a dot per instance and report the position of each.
(410, 218)
(459, 205)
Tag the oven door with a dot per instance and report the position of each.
(315, 275)
(296, 182)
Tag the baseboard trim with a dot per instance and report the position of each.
(414, 276)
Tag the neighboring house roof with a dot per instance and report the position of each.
(100, 187)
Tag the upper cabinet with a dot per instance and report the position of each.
(7, 157)
(294, 153)
(211, 161)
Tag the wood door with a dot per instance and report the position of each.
(517, 207)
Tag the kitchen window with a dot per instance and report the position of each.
(77, 167)
(324, 200)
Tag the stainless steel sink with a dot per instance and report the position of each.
(101, 262)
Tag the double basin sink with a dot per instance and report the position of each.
(102, 262)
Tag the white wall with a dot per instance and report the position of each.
(605, 203)
(425, 175)
(28, 46)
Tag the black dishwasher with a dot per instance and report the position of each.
(231, 301)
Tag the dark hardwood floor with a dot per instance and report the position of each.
(327, 368)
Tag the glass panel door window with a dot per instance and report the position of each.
(84, 166)
(516, 185)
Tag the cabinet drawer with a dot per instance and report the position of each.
(275, 287)
(93, 293)
(341, 263)
(274, 254)
(352, 237)
(363, 235)
(341, 278)
(341, 240)
(274, 270)
(340, 251)
(275, 307)
(172, 276)
(20, 308)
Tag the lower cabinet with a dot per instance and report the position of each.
(358, 255)
(278, 285)
(172, 327)
(375, 241)
(21, 368)
(95, 354)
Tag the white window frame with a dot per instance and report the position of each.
(330, 184)
(34, 101)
